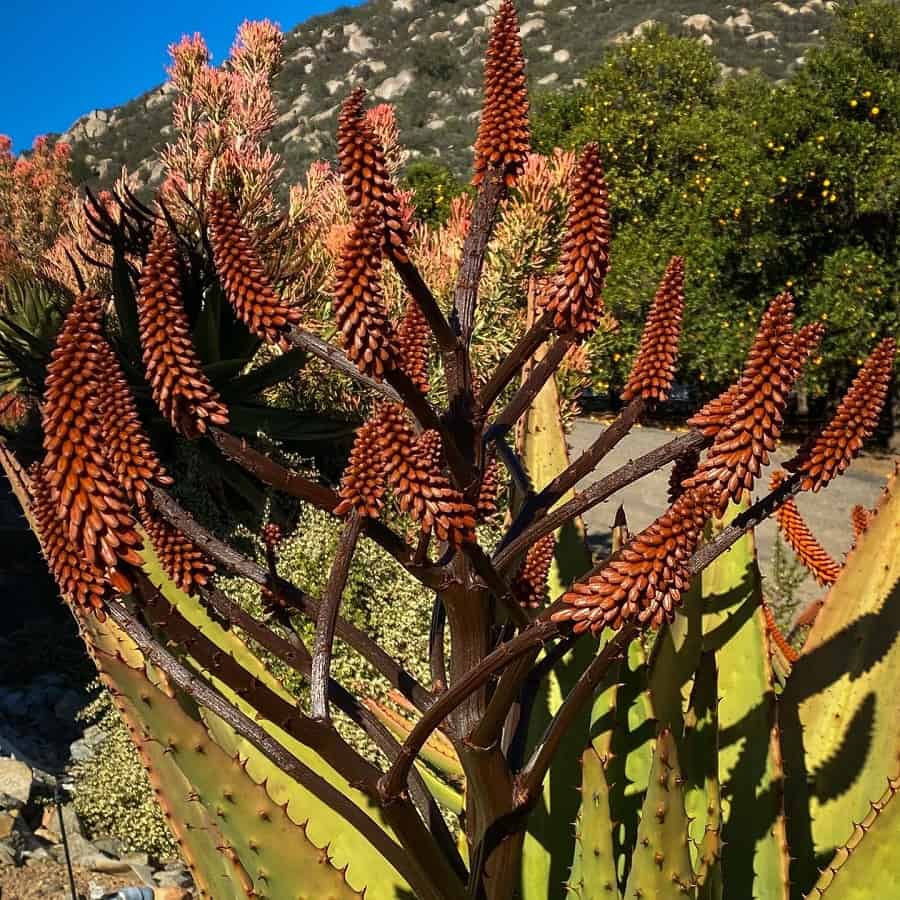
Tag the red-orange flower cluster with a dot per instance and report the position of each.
(363, 483)
(860, 517)
(413, 342)
(643, 583)
(486, 505)
(180, 389)
(530, 583)
(181, 560)
(366, 179)
(574, 297)
(247, 286)
(854, 422)
(359, 302)
(654, 367)
(87, 495)
(504, 138)
(802, 541)
(776, 637)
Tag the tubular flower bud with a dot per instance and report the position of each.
(530, 584)
(802, 541)
(180, 389)
(839, 442)
(134, 462)
(486, 504)
(574, 297)
(363, 483)
(504, 138)
(742, 447)
(366, 178)
(88, 497)
(711, 418)
(805, 341)
(654, 368)
(79, 581)
(181, 560)
(684, 468)
(247, 286)
(413, 341)
(776, 637)
(643, 583)
(358, 300)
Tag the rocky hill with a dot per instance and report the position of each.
(425, 57)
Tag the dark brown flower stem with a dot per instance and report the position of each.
(514, 361)
(541, 630)
(529, 781)
(483, 566)
(237, 564)
(598, 492)
(481, 226)
(283, 479)
(436, 658)
(444, 336)
(196, 688)
(531, 387)
(326, 620)
(299, 337)
(301, 662)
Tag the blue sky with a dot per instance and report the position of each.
(62, 59)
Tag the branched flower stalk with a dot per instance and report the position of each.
(99, 494)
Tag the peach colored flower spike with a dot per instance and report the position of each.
(413, 342)
(839, 442)
(802, 541)
(860, 517)
(182, 392)
(87, 495)
(742, 447)
(79, 581)
(487, 492)
(359, 302)
(574, 297)
(530, 583)
(654, 367)
(504, 137)
(643, 583)
(247, 287)
(181, 559)
(366, 177)
(363, 482)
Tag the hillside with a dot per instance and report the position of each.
(424, 56)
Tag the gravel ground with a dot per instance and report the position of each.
(50, 881)
(827, 513)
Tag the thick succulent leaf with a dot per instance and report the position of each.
(661, 863)
(755, 858)
(866, 866)
(841, 698)
(549, 847)
(276, 370)
(594, 874)
(347, 847)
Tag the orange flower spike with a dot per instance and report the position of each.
(487, 492)
(181, 560)
(777, 638)
(87, 495)
(802, 541)
(741, 448)
(654, 367)
(854, 422)
(530, 584)
(359, 302)
(574, 296)
(711, 418)
(644, 582)
(413, 342)
(504, 137)
(248, 288)
(182, 392)
(80, 582)
(860, 517)
(133, 460)
(363, 482)
(366, 178)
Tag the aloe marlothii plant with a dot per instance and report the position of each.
(665, 753)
